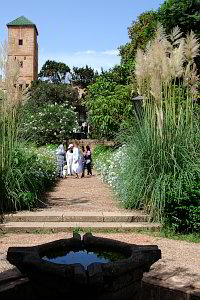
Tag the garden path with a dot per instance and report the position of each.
(83, 194)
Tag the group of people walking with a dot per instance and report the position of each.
(74, 160)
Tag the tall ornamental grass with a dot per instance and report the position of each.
(163, 151)
(8, 120)
(23, 172)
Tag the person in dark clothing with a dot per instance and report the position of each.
(88, 160)
(83, 155)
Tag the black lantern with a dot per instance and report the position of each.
(137, 105)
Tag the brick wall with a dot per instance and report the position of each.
(26, 53)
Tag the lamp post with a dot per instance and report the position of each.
(137, 105)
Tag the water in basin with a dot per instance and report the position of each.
(83, 257)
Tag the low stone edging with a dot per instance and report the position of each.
(156, 289)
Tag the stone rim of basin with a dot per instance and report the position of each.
(29, 261)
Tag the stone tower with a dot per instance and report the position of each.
(23, 47)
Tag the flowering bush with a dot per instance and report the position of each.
(182, 209)
(109, 163)
(31, 171)
(48, 124)
(46, 162)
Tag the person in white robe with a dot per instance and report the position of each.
(69, 159)
(77, 161)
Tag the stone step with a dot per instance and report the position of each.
(75, 216)
(29, 227)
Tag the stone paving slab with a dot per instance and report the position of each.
(73, 216)
(125, 217)
(76, 216)
(70, 226)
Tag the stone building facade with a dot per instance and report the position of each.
(23, 47)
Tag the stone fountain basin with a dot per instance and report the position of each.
(120, 279)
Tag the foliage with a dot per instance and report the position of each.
(100, 150)
(50, 123)
(160, 149)
(82, 77)
(54, 72)
(171, 234)
(49, 114)
(182, 210)
(184, 13)
(119, 74)
(181, 207)
(108, 162)
(109, 105)
(42, 93)
(140, 32)
(157, 169)
(9, 119)
(30, 172)
(24, 172)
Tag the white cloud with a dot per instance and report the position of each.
(111, 52)
(95, 59)
(85, 52)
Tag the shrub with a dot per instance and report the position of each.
(42, 93)
(182, 209)
(31, 172)
(108, 161)
(49, 124)
(160, 166)
(164, 147)
(109, 105)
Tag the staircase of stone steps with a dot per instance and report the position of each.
(58, 221)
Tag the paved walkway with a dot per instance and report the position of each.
(83, 194)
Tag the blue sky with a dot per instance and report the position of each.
(78, 32)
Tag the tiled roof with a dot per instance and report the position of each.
(22, 21)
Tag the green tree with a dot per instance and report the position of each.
(140, 32)
(184, 13)
(42, 92)
(108, 105)
(55, 72)
(119, 74)
(82, 77)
